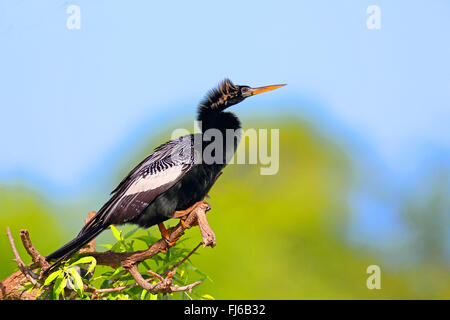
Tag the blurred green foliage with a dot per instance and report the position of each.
(278, 236)
(21, 209)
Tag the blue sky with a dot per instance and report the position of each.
(72, 100)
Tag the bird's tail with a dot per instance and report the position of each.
(83, 238)
(91, 229)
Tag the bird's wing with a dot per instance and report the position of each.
(178, 151)
(153, 176)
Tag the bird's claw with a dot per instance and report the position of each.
(183, 224)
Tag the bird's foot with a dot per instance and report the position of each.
(181, 214)
(204, 205)
(165, 235)
(183, 224)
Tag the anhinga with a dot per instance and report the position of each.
(169, 182)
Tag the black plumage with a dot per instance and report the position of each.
(172, 178)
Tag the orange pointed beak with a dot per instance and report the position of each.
(254, 91)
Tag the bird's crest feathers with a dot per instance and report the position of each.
(218, 96)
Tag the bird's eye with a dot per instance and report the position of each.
(244, 89)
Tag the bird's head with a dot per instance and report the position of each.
(228, 94)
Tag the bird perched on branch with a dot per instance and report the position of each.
(175, 177)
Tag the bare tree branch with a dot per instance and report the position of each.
(159, 276)
(128, 260)
(31, 276)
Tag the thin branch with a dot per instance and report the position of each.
(164, 286)
(31, 276)
(185, 288)
(28, 245)
(107, 290)
(209, 238)
(182, 261)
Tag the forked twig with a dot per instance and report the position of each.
(30, 275)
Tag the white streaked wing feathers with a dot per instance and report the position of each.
(153, 181)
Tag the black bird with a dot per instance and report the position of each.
(174, 177)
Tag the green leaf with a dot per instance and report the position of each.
(143, 294)
(92, 266)
(89, 259)
(39, 292)
(26, 286)
(207, 297)
(117, 234)
(84, 260)
(77, 281)
(116, 272)
(123, 296)
(52, 277)
(60, 284)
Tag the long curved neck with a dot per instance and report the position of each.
(216, 119)
(227, 139)
(213, 118)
